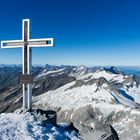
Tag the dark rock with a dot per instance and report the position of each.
(78, 83)
(114, 70)
(85, 120)
(71, 127)
(99, 82)
(45, 116)
(51, 83)
(136, 78)
(114, 133)
(11, 91)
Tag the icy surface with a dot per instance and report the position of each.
(135, 93)
(24, 127)
(104, 98)
(74, 98)
(44, 73)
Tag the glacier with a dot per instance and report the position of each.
(99, 101)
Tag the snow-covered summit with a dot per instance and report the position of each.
(81, 67)
(24, 127)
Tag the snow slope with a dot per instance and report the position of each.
(112, 102)
(24, 127)
(74, 98)
(44, 73)
(125, 120)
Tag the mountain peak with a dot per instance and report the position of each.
(81, 67)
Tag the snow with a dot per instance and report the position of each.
(126, 123)
(108, 76)
(84, 77)
(135, 93)
(123, 100)
(74, 98)
(59, 133)
(49, 72)
(81, 67)
(81, 75)
(15, 126)
(106, 109)
(24, 127)
(128, 126)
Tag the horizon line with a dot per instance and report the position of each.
(75, 65)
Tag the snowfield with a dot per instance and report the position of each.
(73, 98)
(24, 127)
(127, 126)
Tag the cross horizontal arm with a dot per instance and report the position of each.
(12, 44)
(45, 42)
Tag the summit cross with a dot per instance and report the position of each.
(26, 44)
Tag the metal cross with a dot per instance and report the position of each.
(26, 44)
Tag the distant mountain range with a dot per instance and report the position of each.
(125, 69)
(90, 97)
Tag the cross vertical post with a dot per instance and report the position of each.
(27, 88)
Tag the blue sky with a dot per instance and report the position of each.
(89, 32)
